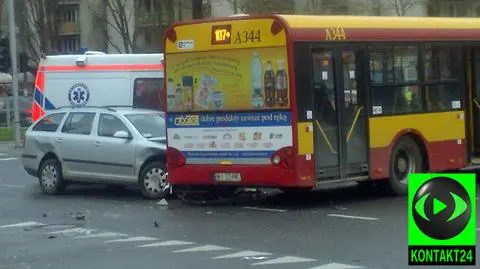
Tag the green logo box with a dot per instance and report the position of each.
(441, 219)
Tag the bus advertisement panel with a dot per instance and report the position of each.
(228, 99)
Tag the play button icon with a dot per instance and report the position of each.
(438, 206)
(441, 208)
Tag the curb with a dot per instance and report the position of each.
(9, 147)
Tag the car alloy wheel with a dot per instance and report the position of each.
(49, 178)
(155, 181)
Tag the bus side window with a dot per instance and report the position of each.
(148, 93)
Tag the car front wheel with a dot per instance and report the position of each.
(153, 181)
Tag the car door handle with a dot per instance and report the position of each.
(59, 140)
(96, 143)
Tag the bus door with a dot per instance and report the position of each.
(341, 146)
(476, 100)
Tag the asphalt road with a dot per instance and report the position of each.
(95, 227)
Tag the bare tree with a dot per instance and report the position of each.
(263, 6)
(39, 22)
(329, 7)
(401, 7)
(124, 21)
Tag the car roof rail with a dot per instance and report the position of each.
(112, 107)
(74, 107)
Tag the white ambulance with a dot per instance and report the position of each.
(99, 79)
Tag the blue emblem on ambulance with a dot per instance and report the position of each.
(79, 94)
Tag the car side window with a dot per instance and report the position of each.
(109, 124)
(49, 123)
(79, 123)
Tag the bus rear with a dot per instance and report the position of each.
(229, 107)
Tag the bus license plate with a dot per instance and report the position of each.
(228, 177)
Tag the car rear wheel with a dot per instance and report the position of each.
(50, 177)
(153, 181)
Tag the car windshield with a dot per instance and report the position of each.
(150, 125)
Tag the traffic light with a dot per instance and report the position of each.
(4, 55)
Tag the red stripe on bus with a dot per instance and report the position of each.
(378, 34)
(103, 67)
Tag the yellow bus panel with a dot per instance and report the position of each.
(434, 127)
(226, 35)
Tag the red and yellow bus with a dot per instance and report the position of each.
(293, 101)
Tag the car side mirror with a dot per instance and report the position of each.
(121, 134)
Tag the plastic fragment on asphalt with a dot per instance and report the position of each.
(162, 202)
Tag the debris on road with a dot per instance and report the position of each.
(162, 202)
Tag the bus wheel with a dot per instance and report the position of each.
(406, 158)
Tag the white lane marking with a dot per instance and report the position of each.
(202, 248)
(286, 259)
(8, 159)
(166, 243)
(2, 154)
(100, 235)
(241, 254)
(337, 266)
(265, 209)
(132, 239)
(11, 186)
(73, 231)
(351, 217)
(23, 224)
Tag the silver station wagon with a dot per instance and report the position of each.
(117, 146)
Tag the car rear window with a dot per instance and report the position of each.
(49, 123)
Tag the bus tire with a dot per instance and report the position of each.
(406, 158)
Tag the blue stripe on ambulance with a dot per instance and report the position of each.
(42, 100)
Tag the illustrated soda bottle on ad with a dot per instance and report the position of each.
(281, 85)
(187, 82)
(257, 87)
(178, 97)
(170, 94)
(269, 81)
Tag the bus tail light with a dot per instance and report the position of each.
(276, 28)
(175, 158)
(283, 157)
(171, 35)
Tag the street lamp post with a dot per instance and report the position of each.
(13, 56)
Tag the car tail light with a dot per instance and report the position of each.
(175, 158)
(283, 157)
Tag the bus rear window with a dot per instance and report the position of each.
(236, 79)
(148, 93)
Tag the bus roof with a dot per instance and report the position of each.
(367, 28)
(379, 22)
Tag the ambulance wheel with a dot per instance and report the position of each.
(406, 158)
(153, 181)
